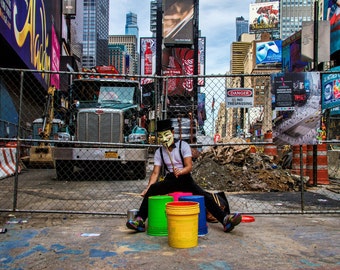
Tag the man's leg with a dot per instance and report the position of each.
(166, 186)
(228, 221)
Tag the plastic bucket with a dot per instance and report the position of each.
(178, 194)
(182, 224)
(157, 220)
(202, 218)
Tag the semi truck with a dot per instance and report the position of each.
(106, 137)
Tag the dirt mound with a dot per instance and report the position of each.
(234, 168)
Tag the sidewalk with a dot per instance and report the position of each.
(90, 242)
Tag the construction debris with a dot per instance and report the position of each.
(236, 168)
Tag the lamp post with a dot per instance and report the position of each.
(316, 33)
(69, 11)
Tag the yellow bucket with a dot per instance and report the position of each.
(182, 219)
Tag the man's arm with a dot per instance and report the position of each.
(153, 178)
(186, 169)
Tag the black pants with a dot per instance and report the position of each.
(183, 183)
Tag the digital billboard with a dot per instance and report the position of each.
(147, 58)
(296, 107)
(292, 59)
(178, 22)
(330, 90)
(264, 16)
(180, 62)
(332, 14)
(269, 52)
(27, 28)
(175, 62)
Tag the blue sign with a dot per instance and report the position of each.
(330, 90)
(269, 52)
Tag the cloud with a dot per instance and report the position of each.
(216, 22)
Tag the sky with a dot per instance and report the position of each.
(216, 22)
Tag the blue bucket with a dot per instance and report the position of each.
(202, 219)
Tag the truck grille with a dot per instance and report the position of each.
(100, 127)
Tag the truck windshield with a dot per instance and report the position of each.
(116, 94)
(90, 93)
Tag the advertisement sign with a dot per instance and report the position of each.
(239, 98)
(26, 26)
(264, 16)
(147, 59)
(55, 59)
(296, 107)
(292, 59)
(333, 16)
(269, 52)
(180, 62)
(178, 22)
(283, 98)
(330, 90)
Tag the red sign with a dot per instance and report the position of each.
(239, 93)
(217, 137)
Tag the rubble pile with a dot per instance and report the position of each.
(234, 168)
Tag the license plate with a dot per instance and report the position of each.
(111, 155)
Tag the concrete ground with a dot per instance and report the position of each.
(91, 242)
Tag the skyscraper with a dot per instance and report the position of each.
(95, 32)
(131, 29)
(131, 26)
(292, 14)
(241, 27)
(129, 42)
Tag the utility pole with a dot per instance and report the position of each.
(159, 43)
(316, 34)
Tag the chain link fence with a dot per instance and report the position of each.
(87, 145)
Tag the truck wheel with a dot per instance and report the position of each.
(64, 170)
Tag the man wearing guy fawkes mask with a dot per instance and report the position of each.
(177, 160)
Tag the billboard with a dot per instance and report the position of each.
(27, 28)
(332, 14)
(147, 59)
(292, 59)
(55, 59)
(178, 22)
(330, 90)
(296, 107)
(264, 16)
(269, 52)
(180, 62)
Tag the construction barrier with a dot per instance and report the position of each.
(7, 162)
(296, 160)
(269, 149)
(321, 164)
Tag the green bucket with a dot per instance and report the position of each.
(157, 220)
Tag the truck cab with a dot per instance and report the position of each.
(104, 114)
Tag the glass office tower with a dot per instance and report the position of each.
(95, 32)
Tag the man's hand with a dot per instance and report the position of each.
(144, 192)
(177, 172)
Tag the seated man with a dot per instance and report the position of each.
(177, 160)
